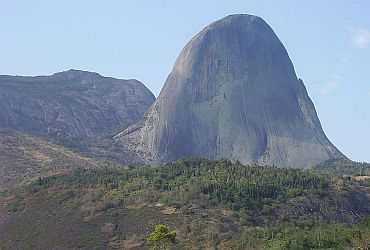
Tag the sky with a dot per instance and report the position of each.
(327, 41)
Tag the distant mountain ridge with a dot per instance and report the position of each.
(233, 93)
(71, 104)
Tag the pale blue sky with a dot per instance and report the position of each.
(328, 42)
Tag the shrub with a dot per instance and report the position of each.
(162, 237)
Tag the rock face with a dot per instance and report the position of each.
(232, 93)
(71, 104)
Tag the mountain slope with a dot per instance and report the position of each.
(232, 93)
(210, 204)
(71, 104)
(24, 156)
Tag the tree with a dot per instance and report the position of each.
(162, 237)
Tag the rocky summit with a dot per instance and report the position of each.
(233, 93)
(71, 104)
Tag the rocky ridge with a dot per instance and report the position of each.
(71, 104)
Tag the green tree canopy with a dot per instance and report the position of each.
(162, 237)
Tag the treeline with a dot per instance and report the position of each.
(340, 167)
(195, 180)
(315, 236)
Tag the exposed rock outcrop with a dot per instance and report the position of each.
(71, 104)
(233, 93)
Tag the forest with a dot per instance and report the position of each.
(206, 202)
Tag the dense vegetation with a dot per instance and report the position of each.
(205, 182)
(208, 203)
(344, 167)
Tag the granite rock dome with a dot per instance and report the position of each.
(233, 93)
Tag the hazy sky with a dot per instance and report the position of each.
(328, 42)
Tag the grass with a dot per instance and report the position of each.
(24, 157)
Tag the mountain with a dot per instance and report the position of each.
(232, 93)
(71, 104)
(24, 156)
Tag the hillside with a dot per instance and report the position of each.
(23, 156)
(209, 203)
(344, 167)
(71, 105)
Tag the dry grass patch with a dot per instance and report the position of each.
(361, 178)
(169, 210)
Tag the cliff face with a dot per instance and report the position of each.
(232, 93)
(71, 104)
